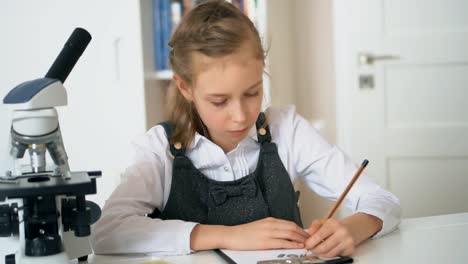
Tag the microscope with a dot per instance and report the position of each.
(52, 205)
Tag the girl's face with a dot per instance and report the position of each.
(227, 94)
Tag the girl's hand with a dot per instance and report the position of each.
(268, 233)
(331, 239)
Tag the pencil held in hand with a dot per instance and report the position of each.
(337, 204)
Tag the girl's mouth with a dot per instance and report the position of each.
(237, 133)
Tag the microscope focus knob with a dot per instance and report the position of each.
(9, 223)
(78, 215)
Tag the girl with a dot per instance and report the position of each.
(220, 173)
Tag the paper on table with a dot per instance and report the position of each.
(127, 259)
(251, 257)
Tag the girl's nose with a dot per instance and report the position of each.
(238, 114)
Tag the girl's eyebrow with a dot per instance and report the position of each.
(255, 85)
(250, 87)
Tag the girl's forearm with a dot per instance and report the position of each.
(362, 226)
(206, 237)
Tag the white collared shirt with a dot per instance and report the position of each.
(124, 228)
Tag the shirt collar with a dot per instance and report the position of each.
(196, 140)
(253, 133)
(198, 137)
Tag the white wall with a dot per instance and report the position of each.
(314, 62)
(281, 52)
(301, 57)
(315, 80)
(106, 106)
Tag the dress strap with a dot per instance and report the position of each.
(177, 149)
(263, 130)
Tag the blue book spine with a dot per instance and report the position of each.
(166, 28)
(158, 51)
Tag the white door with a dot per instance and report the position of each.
(407, 111)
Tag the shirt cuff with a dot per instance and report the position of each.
(185, 238)
(390, 217)
(181, 241)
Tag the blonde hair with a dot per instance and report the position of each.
(215, 29)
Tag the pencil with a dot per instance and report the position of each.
(337, 204)
(331, 213)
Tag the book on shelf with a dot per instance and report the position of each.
(158, 41)
(167, 15)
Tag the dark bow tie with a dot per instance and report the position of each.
(221, 193)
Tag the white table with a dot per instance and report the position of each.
(436, 239)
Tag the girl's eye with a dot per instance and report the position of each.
(252, 94)
(218, 104)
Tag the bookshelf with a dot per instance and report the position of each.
(156, 80)
(258, 16)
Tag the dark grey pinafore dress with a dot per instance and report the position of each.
(266, 192)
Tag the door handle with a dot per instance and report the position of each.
(369, 58)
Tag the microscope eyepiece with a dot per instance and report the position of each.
(71, 52)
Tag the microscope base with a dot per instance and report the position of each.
(60, 258)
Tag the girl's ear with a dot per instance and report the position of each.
(184, 89)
